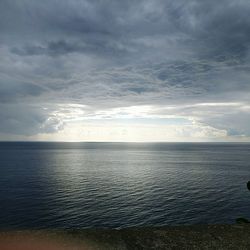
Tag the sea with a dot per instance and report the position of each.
(61, 185)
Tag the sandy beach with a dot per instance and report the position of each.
(181, 237)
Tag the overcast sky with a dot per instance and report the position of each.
(125, 70)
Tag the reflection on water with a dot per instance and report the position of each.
(121, 185)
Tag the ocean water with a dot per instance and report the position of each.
(117, 185)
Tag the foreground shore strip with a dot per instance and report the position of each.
(180, 237)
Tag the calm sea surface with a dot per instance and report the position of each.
(79, 185)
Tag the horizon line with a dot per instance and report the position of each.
(43, 141)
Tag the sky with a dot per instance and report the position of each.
(125, 70)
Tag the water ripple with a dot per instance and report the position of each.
(112, 185)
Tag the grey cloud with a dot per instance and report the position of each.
(207, 29)
(52, 49)
(221, 116)
(225, 28)
(27, 120)
(62, 47)
(227, 122)
(109, 54)
(11, 91)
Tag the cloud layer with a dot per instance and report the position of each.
(65, 61)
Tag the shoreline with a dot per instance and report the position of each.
(236, 236)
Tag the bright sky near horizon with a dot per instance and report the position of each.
(132, 70)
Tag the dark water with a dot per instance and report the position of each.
(77, 185)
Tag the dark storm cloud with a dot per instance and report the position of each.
(121, 53)
(224, 28)
(207, 27)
